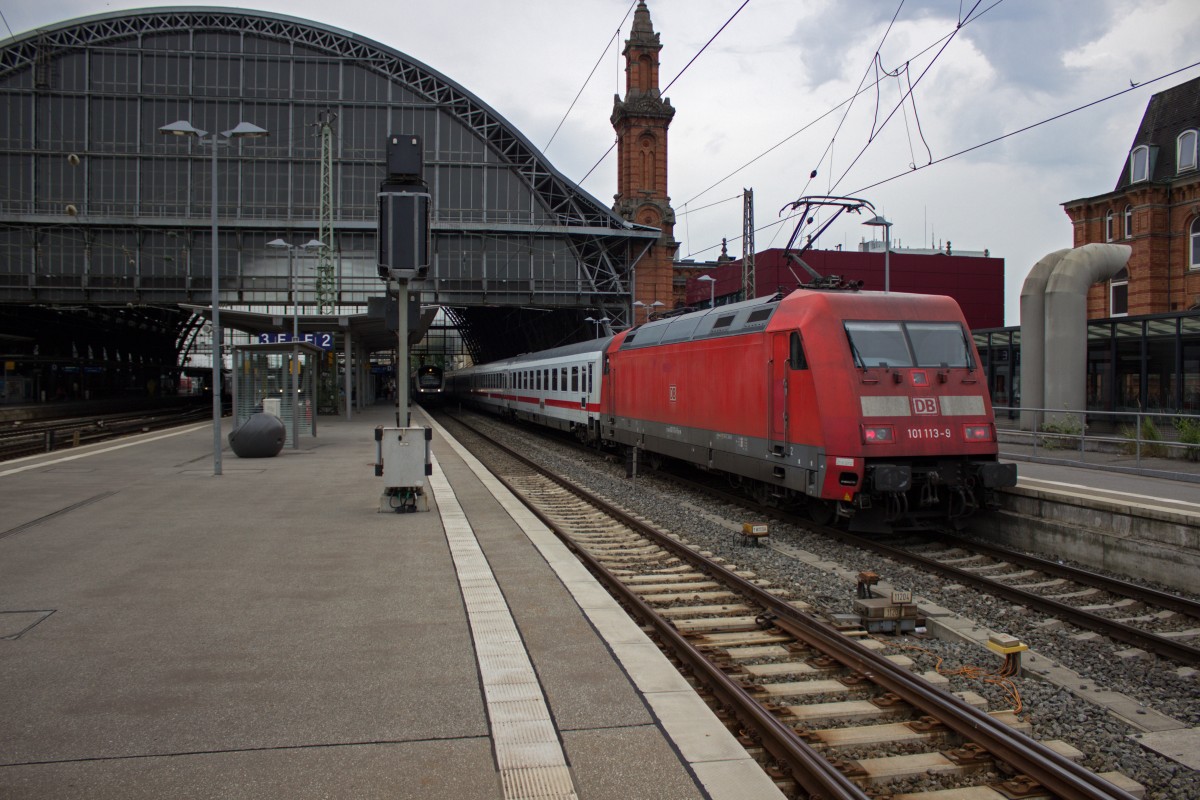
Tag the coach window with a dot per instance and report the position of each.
(574, 379)
(589, 379)
(554, 379)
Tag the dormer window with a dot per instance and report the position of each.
(1108, 226)
(1139, 164)
(1185, 158)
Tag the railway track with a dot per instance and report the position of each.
(827, 714)
(31, 438)
(1164, 624)
(1158, 622)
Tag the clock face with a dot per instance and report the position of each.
(649, 216)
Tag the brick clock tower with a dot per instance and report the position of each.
(641, 120)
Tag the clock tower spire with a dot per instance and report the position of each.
(640, 120)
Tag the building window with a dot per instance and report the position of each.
(1194, 248)
(1186, 151)
(1139, 164)
(1128, 222)
(1118, 294)
(1108, 226)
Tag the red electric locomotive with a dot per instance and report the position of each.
(866, 405)
(862, 405)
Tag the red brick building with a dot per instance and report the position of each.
(1155, 209)
(975, 282)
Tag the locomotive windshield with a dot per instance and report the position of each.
(908, 344)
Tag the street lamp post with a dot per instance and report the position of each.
(598, 323)
(879, 222)
(650, 308)
(311, 244)
(243, 130)
(712, 289)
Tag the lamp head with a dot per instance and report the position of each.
(277, 243)
(182, 128)
(246, 130)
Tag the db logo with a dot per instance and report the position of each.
(924, 405)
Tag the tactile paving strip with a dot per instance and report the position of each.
(528, 752)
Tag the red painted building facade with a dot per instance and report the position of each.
(975, 282)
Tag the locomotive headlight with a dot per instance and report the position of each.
(878, 434)
(978, 433)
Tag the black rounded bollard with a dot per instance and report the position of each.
(261, 436)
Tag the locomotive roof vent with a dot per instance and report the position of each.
(726, 320)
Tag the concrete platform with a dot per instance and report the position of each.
(267, 633)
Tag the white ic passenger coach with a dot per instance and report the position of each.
(559, 388)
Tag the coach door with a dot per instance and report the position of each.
(777, 390)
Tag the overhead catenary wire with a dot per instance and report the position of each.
(588, 79)
(994, 140)
(848, 100)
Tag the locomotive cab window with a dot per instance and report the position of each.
(796, 359)
(909, 344)
(939, 344)
(878, 344)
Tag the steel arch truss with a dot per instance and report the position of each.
(568, 204)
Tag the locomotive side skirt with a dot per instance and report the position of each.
(801, 469)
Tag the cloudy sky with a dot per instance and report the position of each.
(766, 103)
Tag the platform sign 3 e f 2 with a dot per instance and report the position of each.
(321, 340)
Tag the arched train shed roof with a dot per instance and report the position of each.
(510, 231)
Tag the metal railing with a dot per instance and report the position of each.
(1157, 444)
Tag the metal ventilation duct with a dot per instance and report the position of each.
(1054, 325)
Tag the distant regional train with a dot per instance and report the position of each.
(865, 406)
(426, 384)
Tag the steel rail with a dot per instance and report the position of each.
(1150, 642)
(811, 770)
(1056, 773)
(1146, 640)
(1166, 600)
(31, 439)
